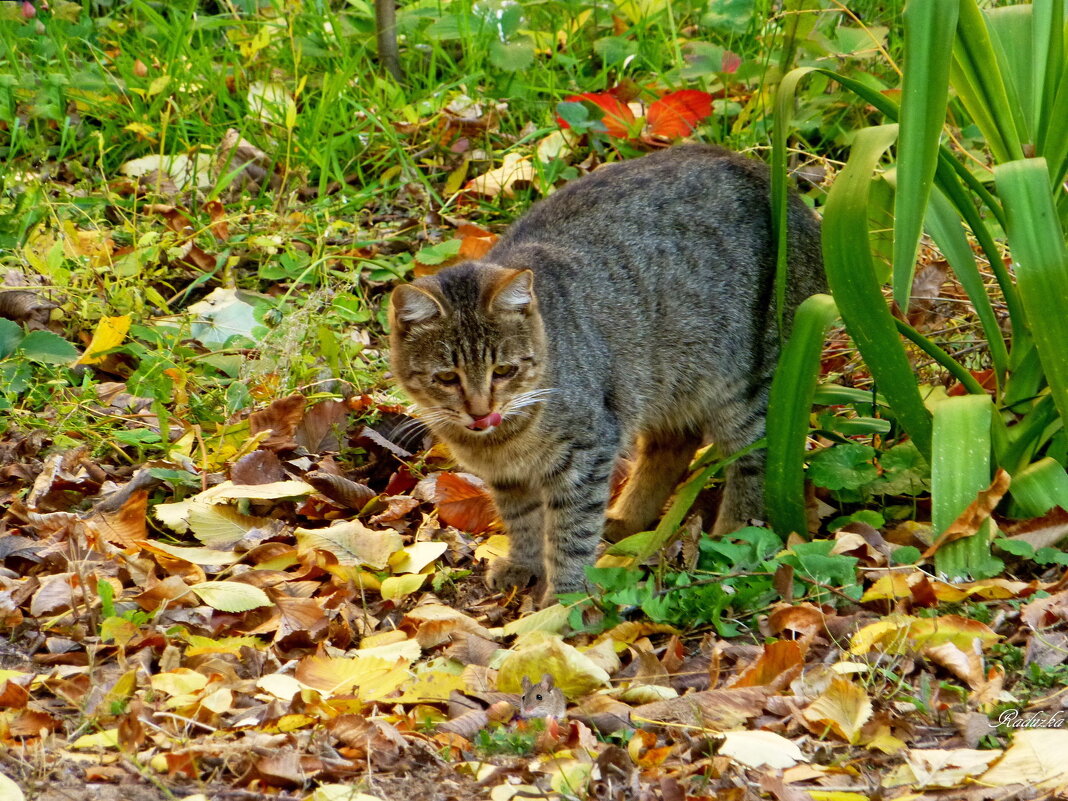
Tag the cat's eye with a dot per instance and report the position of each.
(505, 370)
(446, 377)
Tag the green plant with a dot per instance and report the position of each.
(733, 577)
(955, 45)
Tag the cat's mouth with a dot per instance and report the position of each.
(485, 423)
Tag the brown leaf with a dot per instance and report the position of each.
(775, 668)
(281, 418)
(282, 769)
(348, 493)
(258, 467)
(126, 526)
(219, 226)
(323, 426)
(1041, 532)
(978, 512)
(721, 710)
(463, 502)
(467, 725)
(26, 306)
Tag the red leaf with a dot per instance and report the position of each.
(617, 115)
(731, 61)
(463, 504)
(678, 113)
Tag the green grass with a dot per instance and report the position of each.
(366, 167)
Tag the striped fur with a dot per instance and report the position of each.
(631, 310)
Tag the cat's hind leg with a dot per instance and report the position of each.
(661, 461)
(734, 426)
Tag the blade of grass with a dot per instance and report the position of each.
(851, 274)
(789, 407)
(929, 29)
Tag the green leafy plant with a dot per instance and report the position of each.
(955, 49)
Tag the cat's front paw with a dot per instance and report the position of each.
(504, 574)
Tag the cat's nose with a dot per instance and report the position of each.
(478, 407)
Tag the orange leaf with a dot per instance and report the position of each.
(617, 115)
(678, 113)
(464, 504)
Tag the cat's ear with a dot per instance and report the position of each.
(514, 292)
(411, 304)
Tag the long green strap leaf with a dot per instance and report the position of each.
(1038, 248)
(929, 29)
(851, 274)
(1039, 487)
(960, 468)
(981, 86)
(789, 406)
(1050, 69)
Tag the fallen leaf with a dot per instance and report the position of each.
(463, 502)
(516, 169)
(231, 596)
(677, 114)
(539, 653)
(109, 333)
(844, 708)
(617, 119)
(757, 749)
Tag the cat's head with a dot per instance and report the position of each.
(468, 346)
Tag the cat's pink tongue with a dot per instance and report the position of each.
(491, 420)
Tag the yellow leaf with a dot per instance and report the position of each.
(141, 128)
(550, 619)
(494, 547)
(502, 180)
(433, 683)
(897, 634)
(413, 558)
(224, 645)
(351, 543)
(539, 653)
(195, 556)
(158, 85)
(340, 792)
(845, 707)
(396, 588)
(1035, 758)
(370, 678)
(280, 685)
(230, 596)
(182, 681)
(109, 333)
(109, 738)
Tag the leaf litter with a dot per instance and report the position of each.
(284, 636)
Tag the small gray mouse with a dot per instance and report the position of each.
(542, 700)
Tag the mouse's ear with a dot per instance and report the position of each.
(527, 684)
(547, 680)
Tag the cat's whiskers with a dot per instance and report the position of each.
(524, 400)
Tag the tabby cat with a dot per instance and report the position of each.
(632, 310)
